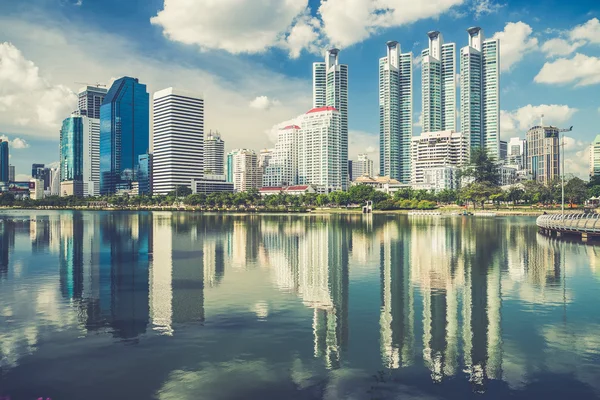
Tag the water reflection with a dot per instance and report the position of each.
(452, 292)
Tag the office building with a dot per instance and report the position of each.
(145, 173)
(211, 184)
(37, 170)
(503, 150)
(319, 150)
(124, 134)
(351, 176)
(243, 169)
(330, 88)
(55, 182)
(440, 178)
(543, 153)
(283, 166)
(479, 92)
(595, 157)
(214, 153)
(11, 173)
(438, 84)
(90, 101)
(395, 113)
(79, 154)
(517, 152)
(178, 139)
(438, 149)
(36, 189)
(363, 166)
(264, 161)
(4, 158)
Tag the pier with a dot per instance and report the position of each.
(586, 226)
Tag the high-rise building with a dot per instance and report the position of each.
(363, 166)
(214, 152)
(11, 173)
(145, 173)
(124, 134)
(319, 150)
(55, 182)
(543, 153)
(37, 170)
(283, 166)
(90, 100)
(351, 176)
(264, 160)
(517, 153)
(4, 158)
(243, 170)
(178, 139)
(395, 113)
(595, 157)
(438, 84)
(330, 88)
(79, 154)
(438, 149)
(479, 92)
(503, 150)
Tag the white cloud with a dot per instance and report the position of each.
(98, 57)
(28, 102)
(516, 41)
(517, 122)
(485, 7)
(417, 61)
(560, 47)
(360, 142)
(16, 143)
(304, 34)
(236, 26)
(263, 103)
(273, 132)
(581, 70)
(590, 31)
(346, 22)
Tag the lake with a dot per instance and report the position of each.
(160, 305)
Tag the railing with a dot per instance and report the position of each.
(576, 223)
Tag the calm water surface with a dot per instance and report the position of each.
(189, 306)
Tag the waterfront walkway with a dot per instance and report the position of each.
(587, 226)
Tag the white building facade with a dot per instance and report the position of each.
(330, 88)
(91, 156)
(438, 84)
(479, 92)
(245, 173)
(214, 154)
(440, 178)
(395, 113)
(595, 157)
(319, 150)
(363, 166)
(178, 139)
(283, 166)
(438, 149)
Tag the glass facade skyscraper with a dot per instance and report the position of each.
(145, 169)
(124, 134)
(4, 166)
(71, 149)
(395, 113)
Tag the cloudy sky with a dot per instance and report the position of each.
(252, 61)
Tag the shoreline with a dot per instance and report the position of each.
(316, 211)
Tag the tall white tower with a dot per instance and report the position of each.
(214, 153)
(439, 84)
(330, 88)
(395, 113)
(479, 92)
(178, 139)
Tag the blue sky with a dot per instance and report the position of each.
(251, 60)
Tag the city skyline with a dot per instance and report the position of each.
(260, 103)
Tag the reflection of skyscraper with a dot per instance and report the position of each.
(177, 274)
(7, 241)
(397, 308)
(71, 256)
(323, 285)
(124, 285)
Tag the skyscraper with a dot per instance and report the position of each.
(363, 166)
(283, 167)
(479, 92)
(145, 174)
(178, 139)
(319, 150)
(71, 149)
(90, 100)
(439, 84)
(4, 169)
(124, 134)
(595, 157)
(37, 170)
(330, 88)
(11, 173)
(242, 168)
(395, 113)
(214, 151)
(543, 153)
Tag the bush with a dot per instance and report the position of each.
(426, 205)
(387, 205)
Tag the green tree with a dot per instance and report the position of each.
(322, 200)
(359, 194)
(576, 191)
(482, 168)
